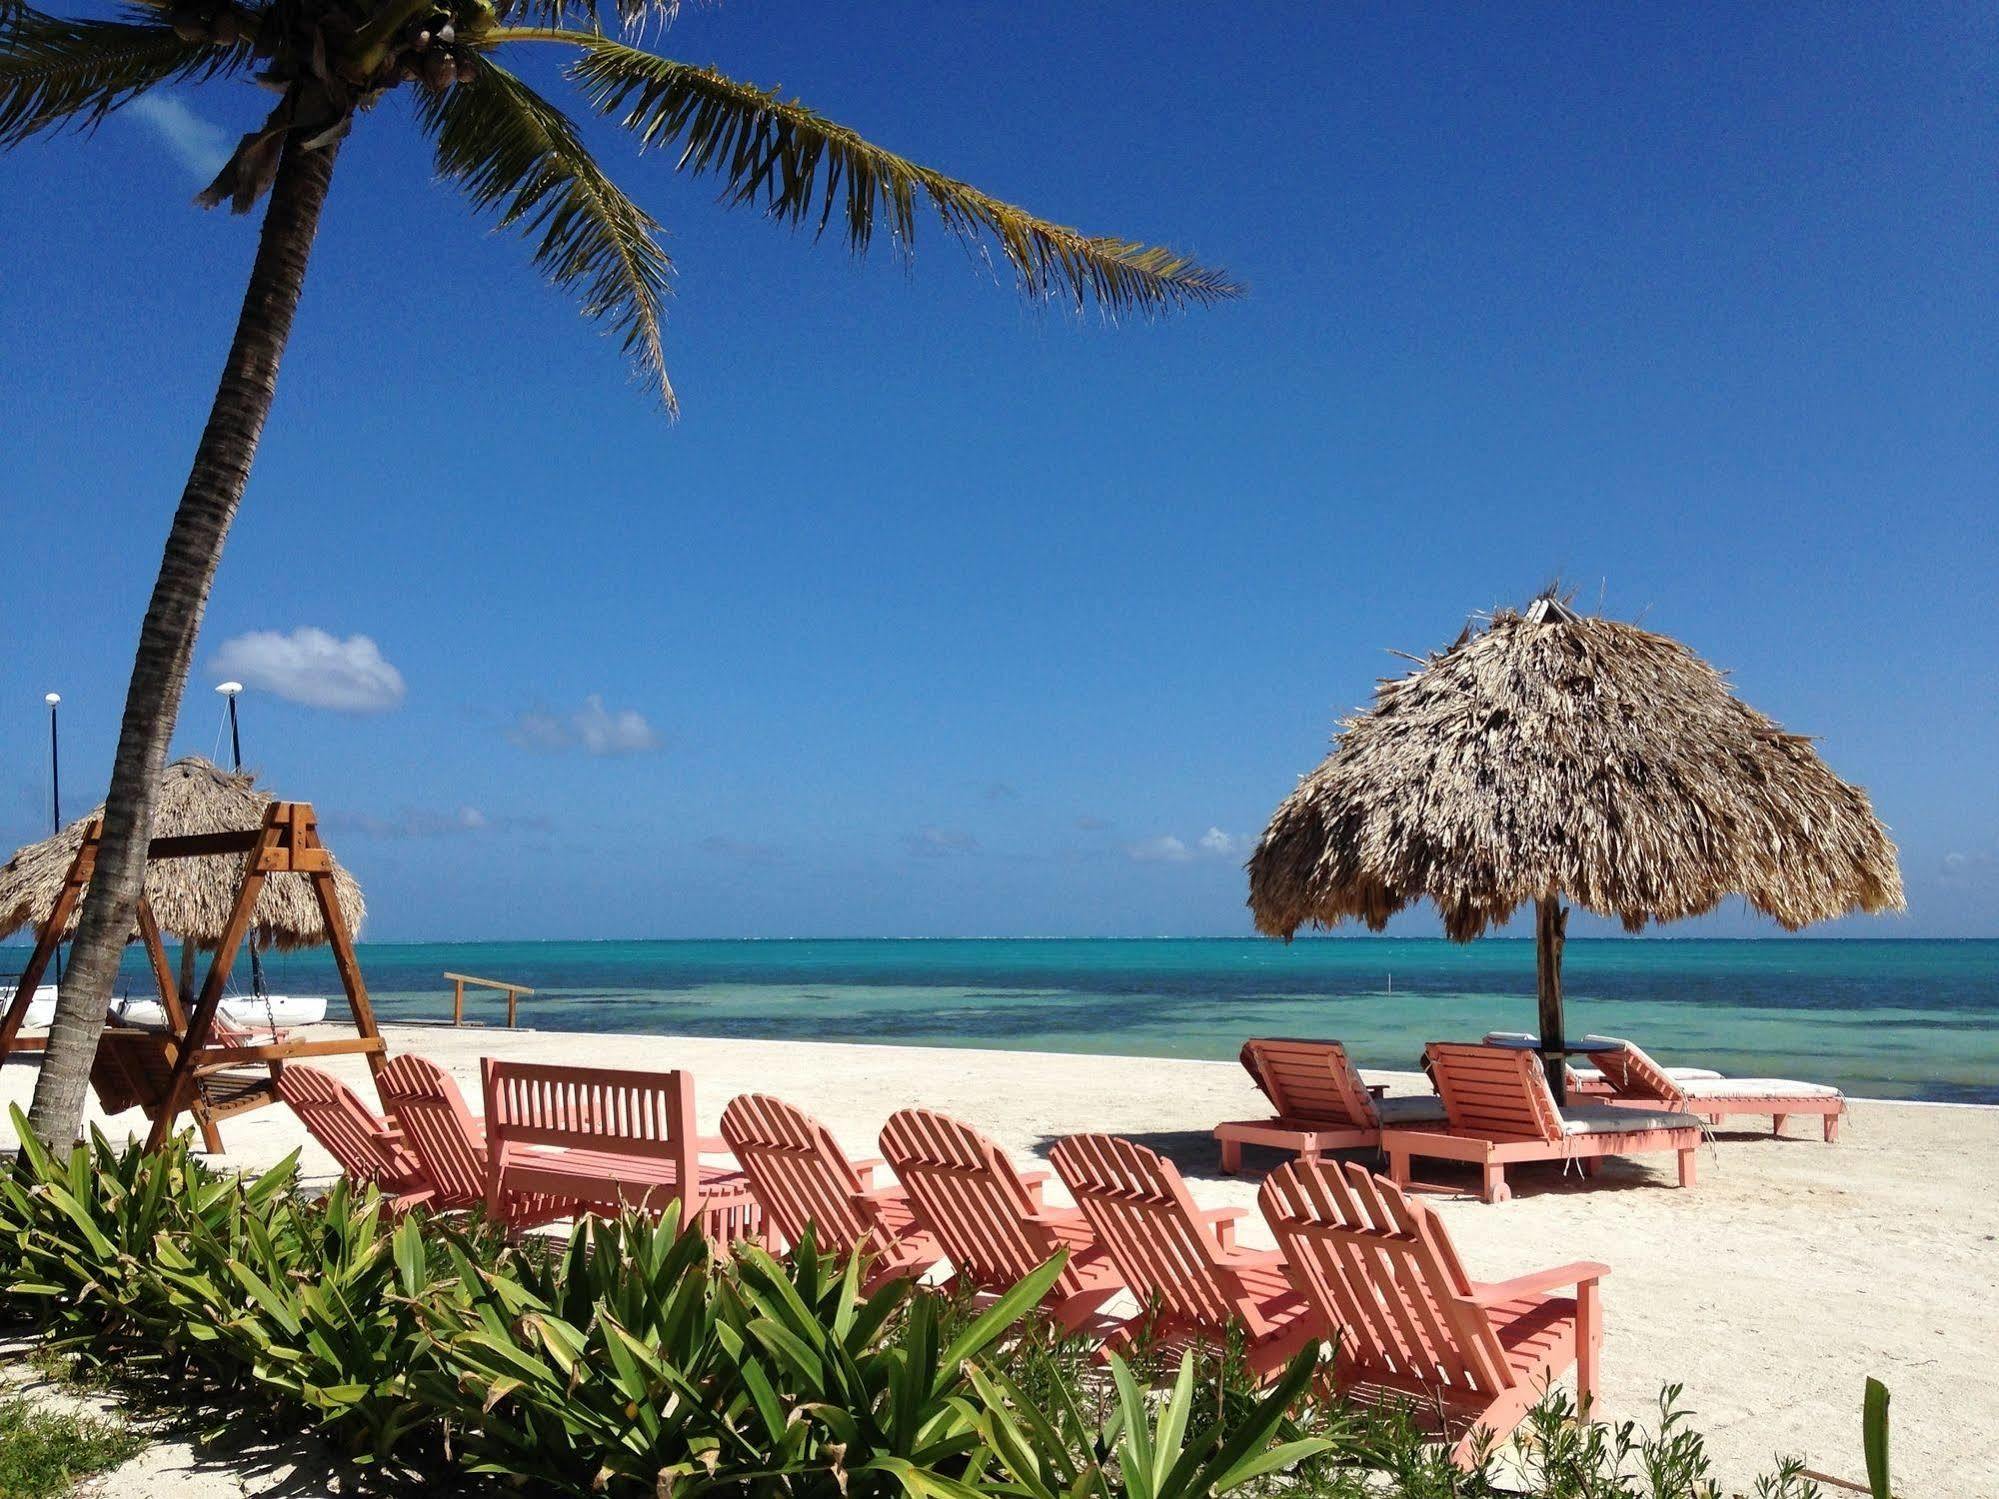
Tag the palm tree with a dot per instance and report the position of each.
(513, 152)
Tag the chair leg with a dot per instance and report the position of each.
(1777, 1123)
(1398, 1166)
(1492, 1183)
(1231, 1156)
(1831, 1129)
(211, 1137)
(1687, 1166)
(1592, 1164)
(1589, 1342)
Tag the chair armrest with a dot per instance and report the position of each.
(867, 1166)
(1036, 1181)
(711, 1145)
(1223, 1222)
(1377, 1090)
(1576, 1273)
(1254, 1259)
(890, 1193)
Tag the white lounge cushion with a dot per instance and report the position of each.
(1755, 1087)
(1609, 1119)
(1415, 1108)
(1677, 1074)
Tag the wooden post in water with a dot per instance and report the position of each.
(1551, 924)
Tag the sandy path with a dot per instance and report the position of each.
(1771, 1290)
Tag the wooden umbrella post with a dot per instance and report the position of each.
(1551, 924)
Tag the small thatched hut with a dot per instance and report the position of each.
(191, 898)
(1554, 756)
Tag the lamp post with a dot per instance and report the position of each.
(55, 790)
(55, 763)
(230, 692)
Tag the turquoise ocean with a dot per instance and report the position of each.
(1900, 1019)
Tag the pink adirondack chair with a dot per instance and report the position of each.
(602, 1139)
(1180, 1261)
(366, 1147)
(450, 1141)
(1633, 1079)
(1500, 1111)
(1321, 1102)
(990, 1219)
(1411, 1324)
(802, 1178)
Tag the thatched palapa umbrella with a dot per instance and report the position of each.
(190, 897)
(1552, 756)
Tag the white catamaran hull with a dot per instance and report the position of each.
(283, 1010)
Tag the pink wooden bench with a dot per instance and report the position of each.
(1180, 1261)
(990, 1219)
(366, 1147)
(1411, 1324)
(1500, 1112)
(803, 1179)
(604, 1140)
(1321, 1102)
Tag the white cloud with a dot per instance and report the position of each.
(593, 728)
(1167, 849)
(310, 666)
(939, 843)
(202, 145)
(431, 822)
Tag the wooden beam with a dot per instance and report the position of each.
(180, 1088)
(305, 838)
(284, 1051)
(163, 974)
(50, 936)
(202, 845)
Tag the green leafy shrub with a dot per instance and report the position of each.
(632, 1361)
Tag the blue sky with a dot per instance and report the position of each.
(941, 614)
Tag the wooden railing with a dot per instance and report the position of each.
(460, 980)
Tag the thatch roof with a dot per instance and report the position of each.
(1559, 755)
(191, 897)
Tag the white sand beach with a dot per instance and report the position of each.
(1792, 1271)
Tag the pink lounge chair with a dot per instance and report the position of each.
(989, 1218)
(1181, 1262)
(1634, 1080)
(1500, 1111)
(366, 1147)
(802, 1178)
(450, 1141)
(1321, 1102)
(1585, 1079)
(604, 1140)
(1411, 1324)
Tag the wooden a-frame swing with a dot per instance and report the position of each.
(167, 1072)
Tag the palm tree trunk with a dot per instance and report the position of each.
(166, 639)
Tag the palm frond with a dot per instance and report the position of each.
(631, 14)
(512, 150)
(56, 72)
(801, 167)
